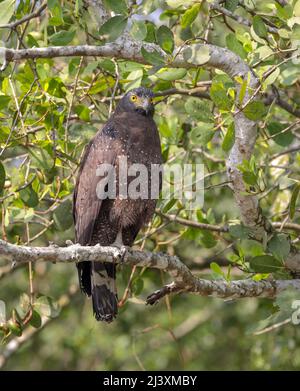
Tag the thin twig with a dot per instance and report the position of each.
(26, 18)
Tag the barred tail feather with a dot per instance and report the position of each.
(103, 288)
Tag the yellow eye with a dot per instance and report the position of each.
(133, 98)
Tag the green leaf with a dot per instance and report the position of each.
(259, 27)
(218, 94)
(239, 231)
(165, 130)
(150, 32)
(295, 36)
(282, 139)
(196, 54)
(4, 133)
(56, 12)
(134, 79)
(297, 8)
(294, 197)
(207, 239)
(113, 28)
(189, 16)
(29, 197)
(99, 86)
(153, 57)
(15, 327)
(170, 74)
(255, 110)
(165, 39)
(169, 205)
(202, 134)
(199, 110)
(279, 246)
(78, 4)
(7, 8)
(45, 306)
(42, 71)
(138, 30)
(55, 87)
(231, 5)
(260, 276)
(36, 320)
(117, 6)
(235, 46)
(249, 177)
(2, 178)
(285, 12)
(216, 269)
(284, 33)
(290, 75)
(83, 112)
(62, 38)
(229, 138)
(249, 171)
(4, 100)
(24, 305)
(265, 264)
(271, 78)
(107, 65)
(178, 3)
(73, 66)
(62, 216)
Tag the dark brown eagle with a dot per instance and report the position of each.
(129, 132)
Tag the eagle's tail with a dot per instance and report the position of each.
(103, 290)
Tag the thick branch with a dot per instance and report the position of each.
(233, 290)
(184, 280)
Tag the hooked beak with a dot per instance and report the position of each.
(146, 105)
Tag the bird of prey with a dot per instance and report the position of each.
(130, 132)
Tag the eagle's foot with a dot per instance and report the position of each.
(69, 242)
(52, 244)
(119, 253)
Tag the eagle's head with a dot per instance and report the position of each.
(139, 100)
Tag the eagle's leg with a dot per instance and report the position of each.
(118, 243)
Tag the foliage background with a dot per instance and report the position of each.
(50, 108)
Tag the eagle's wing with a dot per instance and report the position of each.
(102, 149)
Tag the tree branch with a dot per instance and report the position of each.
(219, 228)
(197, 92)
(184, 280)
(194, 224)
(215, 6)
(281, 102)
